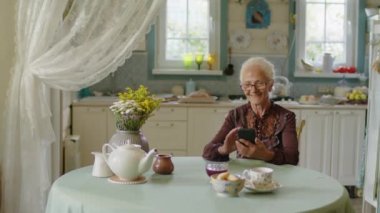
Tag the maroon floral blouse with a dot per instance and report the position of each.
(277, 129)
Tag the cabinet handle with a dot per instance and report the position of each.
(164, 125)
(344, 113)
(166, 110)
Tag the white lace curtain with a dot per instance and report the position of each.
(66, 48)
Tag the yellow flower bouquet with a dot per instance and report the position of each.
(134, 108)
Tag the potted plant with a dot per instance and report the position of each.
(131, 111)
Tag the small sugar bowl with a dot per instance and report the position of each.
(163, 164)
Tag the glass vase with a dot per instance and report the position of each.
(133, 137)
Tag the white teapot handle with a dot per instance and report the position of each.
(104, 151)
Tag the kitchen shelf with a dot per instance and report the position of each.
(325, 75)
(187, 72)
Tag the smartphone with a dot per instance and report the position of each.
(247, 134)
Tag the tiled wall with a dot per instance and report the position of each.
(135, 71)
(258, 36)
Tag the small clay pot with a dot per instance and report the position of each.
(163, 164)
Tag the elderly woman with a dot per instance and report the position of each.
(275, 127)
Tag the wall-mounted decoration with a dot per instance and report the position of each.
(258, 14)
(277, 41)
(240, 39)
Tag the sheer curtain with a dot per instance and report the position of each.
(67, 45)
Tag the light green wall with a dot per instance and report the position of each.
(7, 34)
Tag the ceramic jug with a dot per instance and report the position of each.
(281, 87)
(328, 62)
(100, 168)
(128, 161)
(190, 86)
(163, 164)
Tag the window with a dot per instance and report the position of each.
(186, 28)
(327, 26)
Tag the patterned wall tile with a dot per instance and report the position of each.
(135, 72)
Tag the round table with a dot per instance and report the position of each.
(188, 189)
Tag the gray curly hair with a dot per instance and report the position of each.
(266, 66)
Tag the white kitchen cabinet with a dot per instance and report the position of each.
(297, 112)
(90, 123)
(203, 123)
(316, 140)
(331, 142)
(167, 130)
(111, 124)
(348, 136)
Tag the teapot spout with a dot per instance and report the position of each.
(147, 161)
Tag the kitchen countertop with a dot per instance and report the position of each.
(108, 100)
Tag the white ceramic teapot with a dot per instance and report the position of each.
(128, 161)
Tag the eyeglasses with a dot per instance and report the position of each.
(257, 84)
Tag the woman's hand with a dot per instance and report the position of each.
(229, 142)
(255, 151)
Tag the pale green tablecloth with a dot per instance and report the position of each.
(188, 190)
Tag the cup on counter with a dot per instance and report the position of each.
(190, 86)
(258, 176)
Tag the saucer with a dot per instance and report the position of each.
(274, 185)
(117, 180)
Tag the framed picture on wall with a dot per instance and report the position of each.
(258, 14)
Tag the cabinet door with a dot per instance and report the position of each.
(166, 136)
(316, 140)
(203, 125)
(90, 123)
(348, 137)
(167, 130)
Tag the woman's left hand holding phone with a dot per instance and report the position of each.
(258, 150)
(245, 147)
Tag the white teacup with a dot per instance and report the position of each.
(258, 176)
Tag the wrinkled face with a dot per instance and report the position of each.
(256, 86)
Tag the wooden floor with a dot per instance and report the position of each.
(357, 204)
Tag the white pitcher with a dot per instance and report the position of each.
(328, 62)
(100, 168)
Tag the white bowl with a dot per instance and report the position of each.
(227, 188)
(331, 100)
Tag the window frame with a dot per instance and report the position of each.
(351, 38)
(164, 66)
